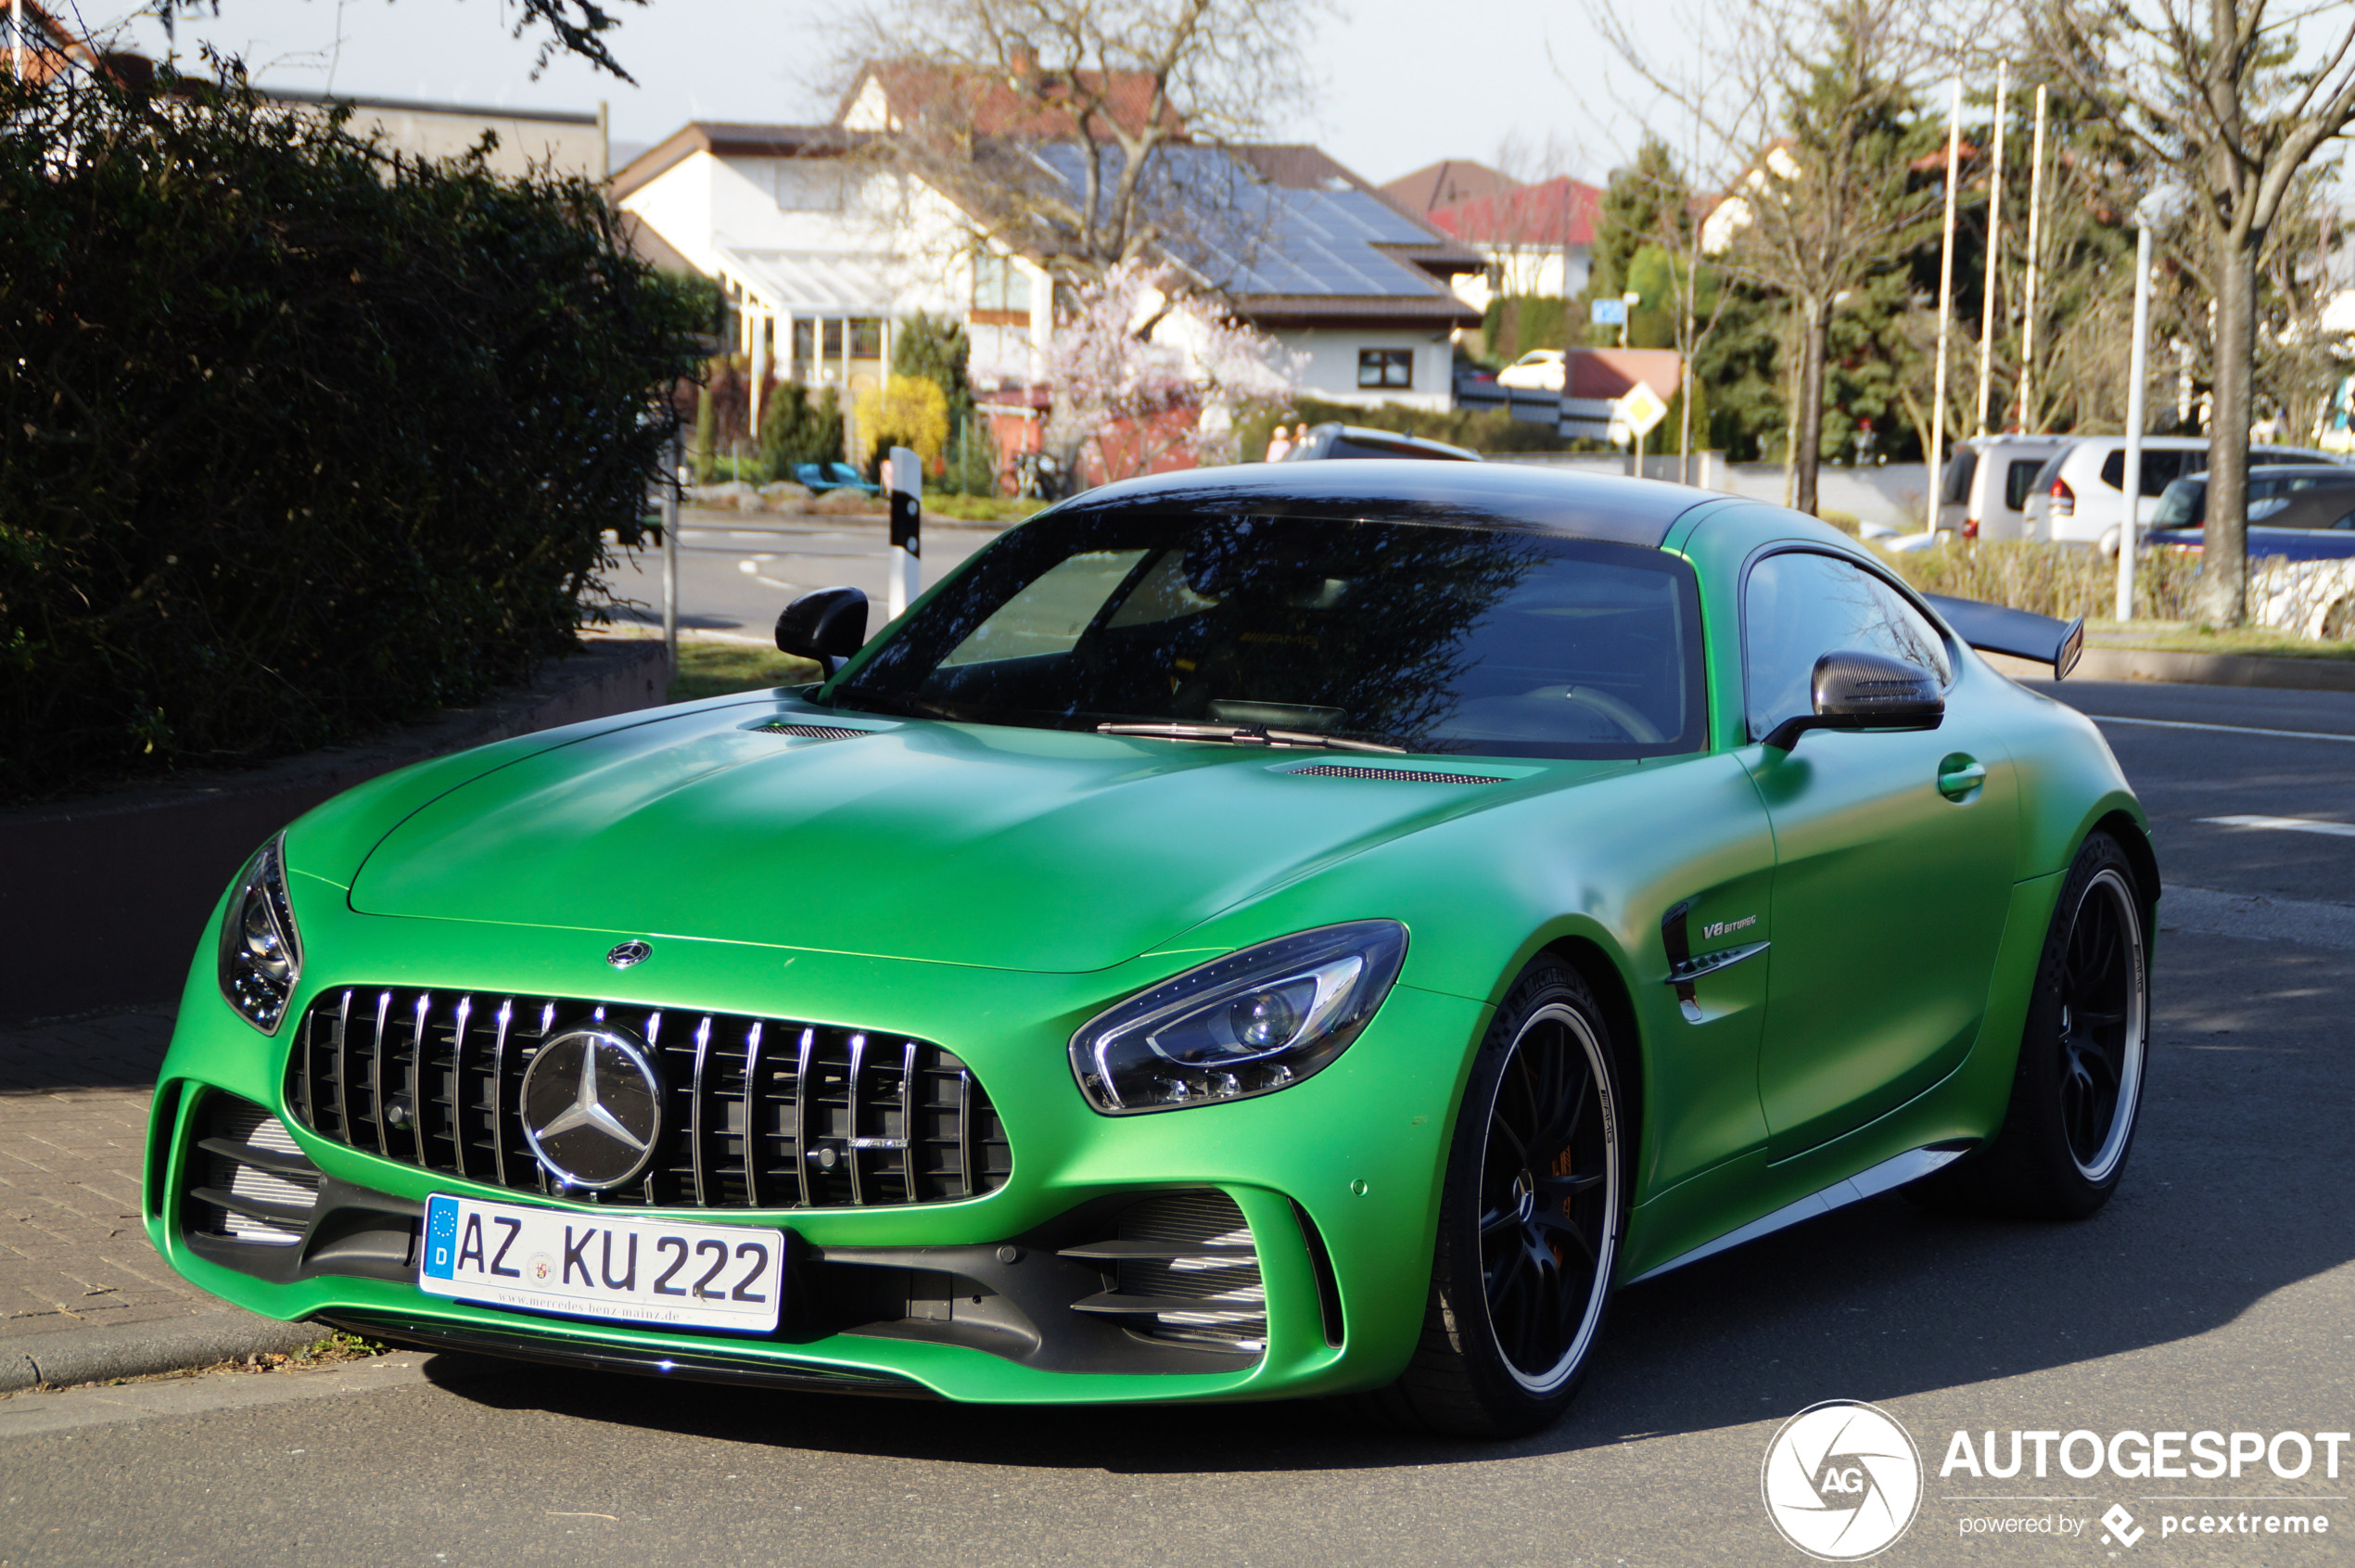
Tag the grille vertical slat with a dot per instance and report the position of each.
(457, 1084)
(823, 1123)
(343, 1069)
(698, 1135)
(376, 1074)
(752, 1117)
(416, 1081)
(499, 1177)
(908, 1139)
(801, 1115)
(857, 1068)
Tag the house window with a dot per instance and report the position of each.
(999, 286)
(1386, 367)
(866, 339)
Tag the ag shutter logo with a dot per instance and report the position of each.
(1842, 1481)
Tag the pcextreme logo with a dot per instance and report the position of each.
(1842, 1481)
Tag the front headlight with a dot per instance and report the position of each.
(260, 951)
(1252, 1023)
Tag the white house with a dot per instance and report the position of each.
(1536, 239)
(820, 252)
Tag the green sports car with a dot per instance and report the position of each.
(1252, 933)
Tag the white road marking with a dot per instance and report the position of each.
(2227, 728)
(2286, 825)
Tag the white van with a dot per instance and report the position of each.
(1988, 482)
(2079, 496)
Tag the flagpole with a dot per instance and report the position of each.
(1945, 306)
(2027, 314)
(1994, 249)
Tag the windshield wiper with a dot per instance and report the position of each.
(1246, 734)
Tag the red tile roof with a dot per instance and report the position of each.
(1443, 184)
(1556, 211)
(962, 98)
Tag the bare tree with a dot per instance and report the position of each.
(573, 27)
(2226, 98)
(1816, 100)
(1060, 127)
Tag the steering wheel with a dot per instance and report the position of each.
(1637, 727)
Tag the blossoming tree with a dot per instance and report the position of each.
(1146, 377)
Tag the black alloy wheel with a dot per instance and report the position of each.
(2101, 1023)
(1531, 1216)
(2077, 1093)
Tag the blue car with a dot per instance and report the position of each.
(2301, 513)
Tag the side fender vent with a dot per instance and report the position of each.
(1395, 775)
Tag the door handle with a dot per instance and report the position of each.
(1960, 777)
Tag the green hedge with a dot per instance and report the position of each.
(296, 436)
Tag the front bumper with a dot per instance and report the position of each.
(1336, 1180)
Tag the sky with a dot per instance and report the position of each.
(1400, 89)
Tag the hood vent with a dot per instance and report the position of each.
(1395, 775)
(809, 731)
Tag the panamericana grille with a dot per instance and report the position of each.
(758, 1113)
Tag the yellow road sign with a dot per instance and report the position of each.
(1640, 408)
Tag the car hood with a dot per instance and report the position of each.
(1005, 848)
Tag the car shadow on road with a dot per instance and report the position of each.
(2235, 1191)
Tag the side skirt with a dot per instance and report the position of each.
(1911, 1165)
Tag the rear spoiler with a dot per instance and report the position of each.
(1993, 629)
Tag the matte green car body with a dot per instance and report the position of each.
(992, 888)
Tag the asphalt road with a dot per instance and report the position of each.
(737, 570)
(2217, 1292)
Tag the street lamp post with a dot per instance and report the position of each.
(2128, 524)
(670, 559)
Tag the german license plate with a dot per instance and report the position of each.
(603, 1266)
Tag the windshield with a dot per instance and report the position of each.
(2183, 506)
(1426, 638)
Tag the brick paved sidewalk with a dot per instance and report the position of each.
(73, 1125)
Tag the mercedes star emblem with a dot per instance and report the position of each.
(593, 1108)
(631, 952)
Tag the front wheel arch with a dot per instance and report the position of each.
(1608, 987)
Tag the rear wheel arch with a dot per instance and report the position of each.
(2136, 843)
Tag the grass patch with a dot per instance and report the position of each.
(2184, 637)
(713, 668)
(981, 509)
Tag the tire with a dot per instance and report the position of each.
(1532, 1211)
(2077, 1093)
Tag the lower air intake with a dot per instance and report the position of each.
(1203, 1274)
(253, 1183)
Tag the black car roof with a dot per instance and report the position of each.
(1603, 506)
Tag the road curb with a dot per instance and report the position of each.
(70, 1356)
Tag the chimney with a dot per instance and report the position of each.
(1021, 58)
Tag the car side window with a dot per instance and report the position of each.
(1048, 616)
(1799, 605)
(2019, 482)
